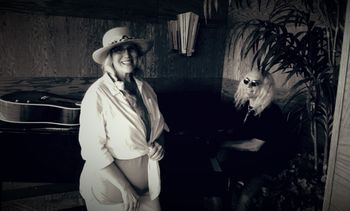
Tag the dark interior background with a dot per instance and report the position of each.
(53, 39)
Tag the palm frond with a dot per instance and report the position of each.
(300, 93)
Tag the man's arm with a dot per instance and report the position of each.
(252, 145)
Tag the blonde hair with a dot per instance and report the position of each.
(107, 64)
(265, 95)
(108, 67)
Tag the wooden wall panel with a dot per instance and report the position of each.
(57, 46)
(101, 9)
(337, 193)
(132, 10)
(48, 46)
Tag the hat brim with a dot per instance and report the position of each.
(100, 54)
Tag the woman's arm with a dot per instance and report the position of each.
(114, 175)
(92, 138)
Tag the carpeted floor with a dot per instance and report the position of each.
(65, 197)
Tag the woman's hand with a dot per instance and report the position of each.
(130, 199)
(156, 151)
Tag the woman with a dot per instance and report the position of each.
(120, 125)
(260, 139)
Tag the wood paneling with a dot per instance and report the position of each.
(337, 194)
(131, 10)
(55, 46)
(106, 9)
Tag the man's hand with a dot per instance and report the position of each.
(252, 145)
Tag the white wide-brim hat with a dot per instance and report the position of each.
(118, 36)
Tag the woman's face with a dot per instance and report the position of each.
(124, 58)
(252, 83)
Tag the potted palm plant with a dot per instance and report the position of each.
(311, 53)
(300, 40)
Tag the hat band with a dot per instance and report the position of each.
(124, 37)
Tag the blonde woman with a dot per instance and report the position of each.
(120, 129)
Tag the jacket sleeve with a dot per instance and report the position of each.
(92, 134)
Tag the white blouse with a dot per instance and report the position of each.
(110, 128)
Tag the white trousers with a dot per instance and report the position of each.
(146, 204)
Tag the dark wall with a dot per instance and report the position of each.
(57, 46)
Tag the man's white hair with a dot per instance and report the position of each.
(265, 94)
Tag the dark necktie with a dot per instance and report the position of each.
(249, 112)
(135, 100)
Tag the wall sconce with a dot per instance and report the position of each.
(183, 33)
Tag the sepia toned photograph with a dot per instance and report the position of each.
(174, 105)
